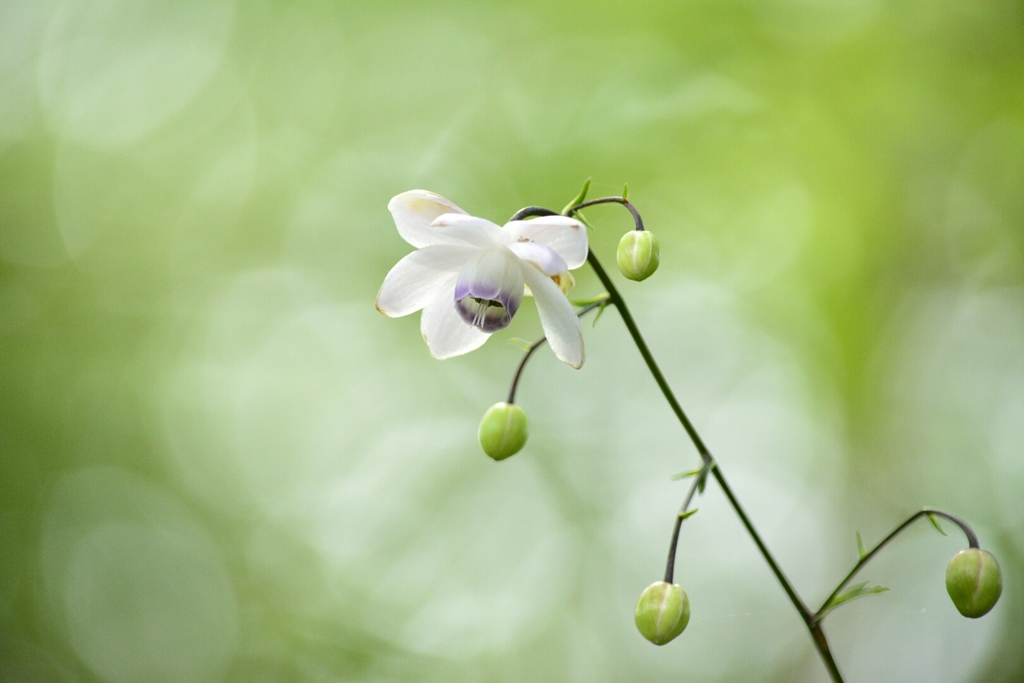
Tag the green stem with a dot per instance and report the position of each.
(670, 566)
(614, 298)
(817, 634)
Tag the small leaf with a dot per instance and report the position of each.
(600, 311)
(521, 343)
(687, 475)
(858, 591)
(625, 192)
(579, 198)
(702, 478)
(592, 300)
(861, 550)
(578, 215)
(935, 523)
(688, 513)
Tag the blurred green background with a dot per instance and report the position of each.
(220, 463)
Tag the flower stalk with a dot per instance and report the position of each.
(469, 276)
(684, 512)
(514, 386)
(615, 299)
(931, 513)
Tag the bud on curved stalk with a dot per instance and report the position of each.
(503, 430)
(974, 582)
(639, 254)
(662, 612)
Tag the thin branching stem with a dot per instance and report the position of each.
(670, 565)
(537, 344)
(637, 220)
(972, 541)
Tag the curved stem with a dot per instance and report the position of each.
(610, 200)
(519, 370)
(537, 344)
(531, 211)
(972, 540)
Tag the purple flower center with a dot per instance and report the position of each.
(487, 314)
(489, 290)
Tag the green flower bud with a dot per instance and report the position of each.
(639, 254)
(503, 430)
(974, 582)
(662, 612)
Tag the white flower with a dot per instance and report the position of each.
(469, 275)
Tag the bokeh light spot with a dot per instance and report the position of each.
(113, 71)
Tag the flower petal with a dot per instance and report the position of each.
(470, 229)
(541, 256)
(566, 236)
(415, 210)
(443, 329)
(557, 317)
(414, 280)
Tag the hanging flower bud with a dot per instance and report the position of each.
(503, 430)
(639, 254)
(974, 582)
(662, 612)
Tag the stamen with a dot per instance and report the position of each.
(487, 314)
(481, 309)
